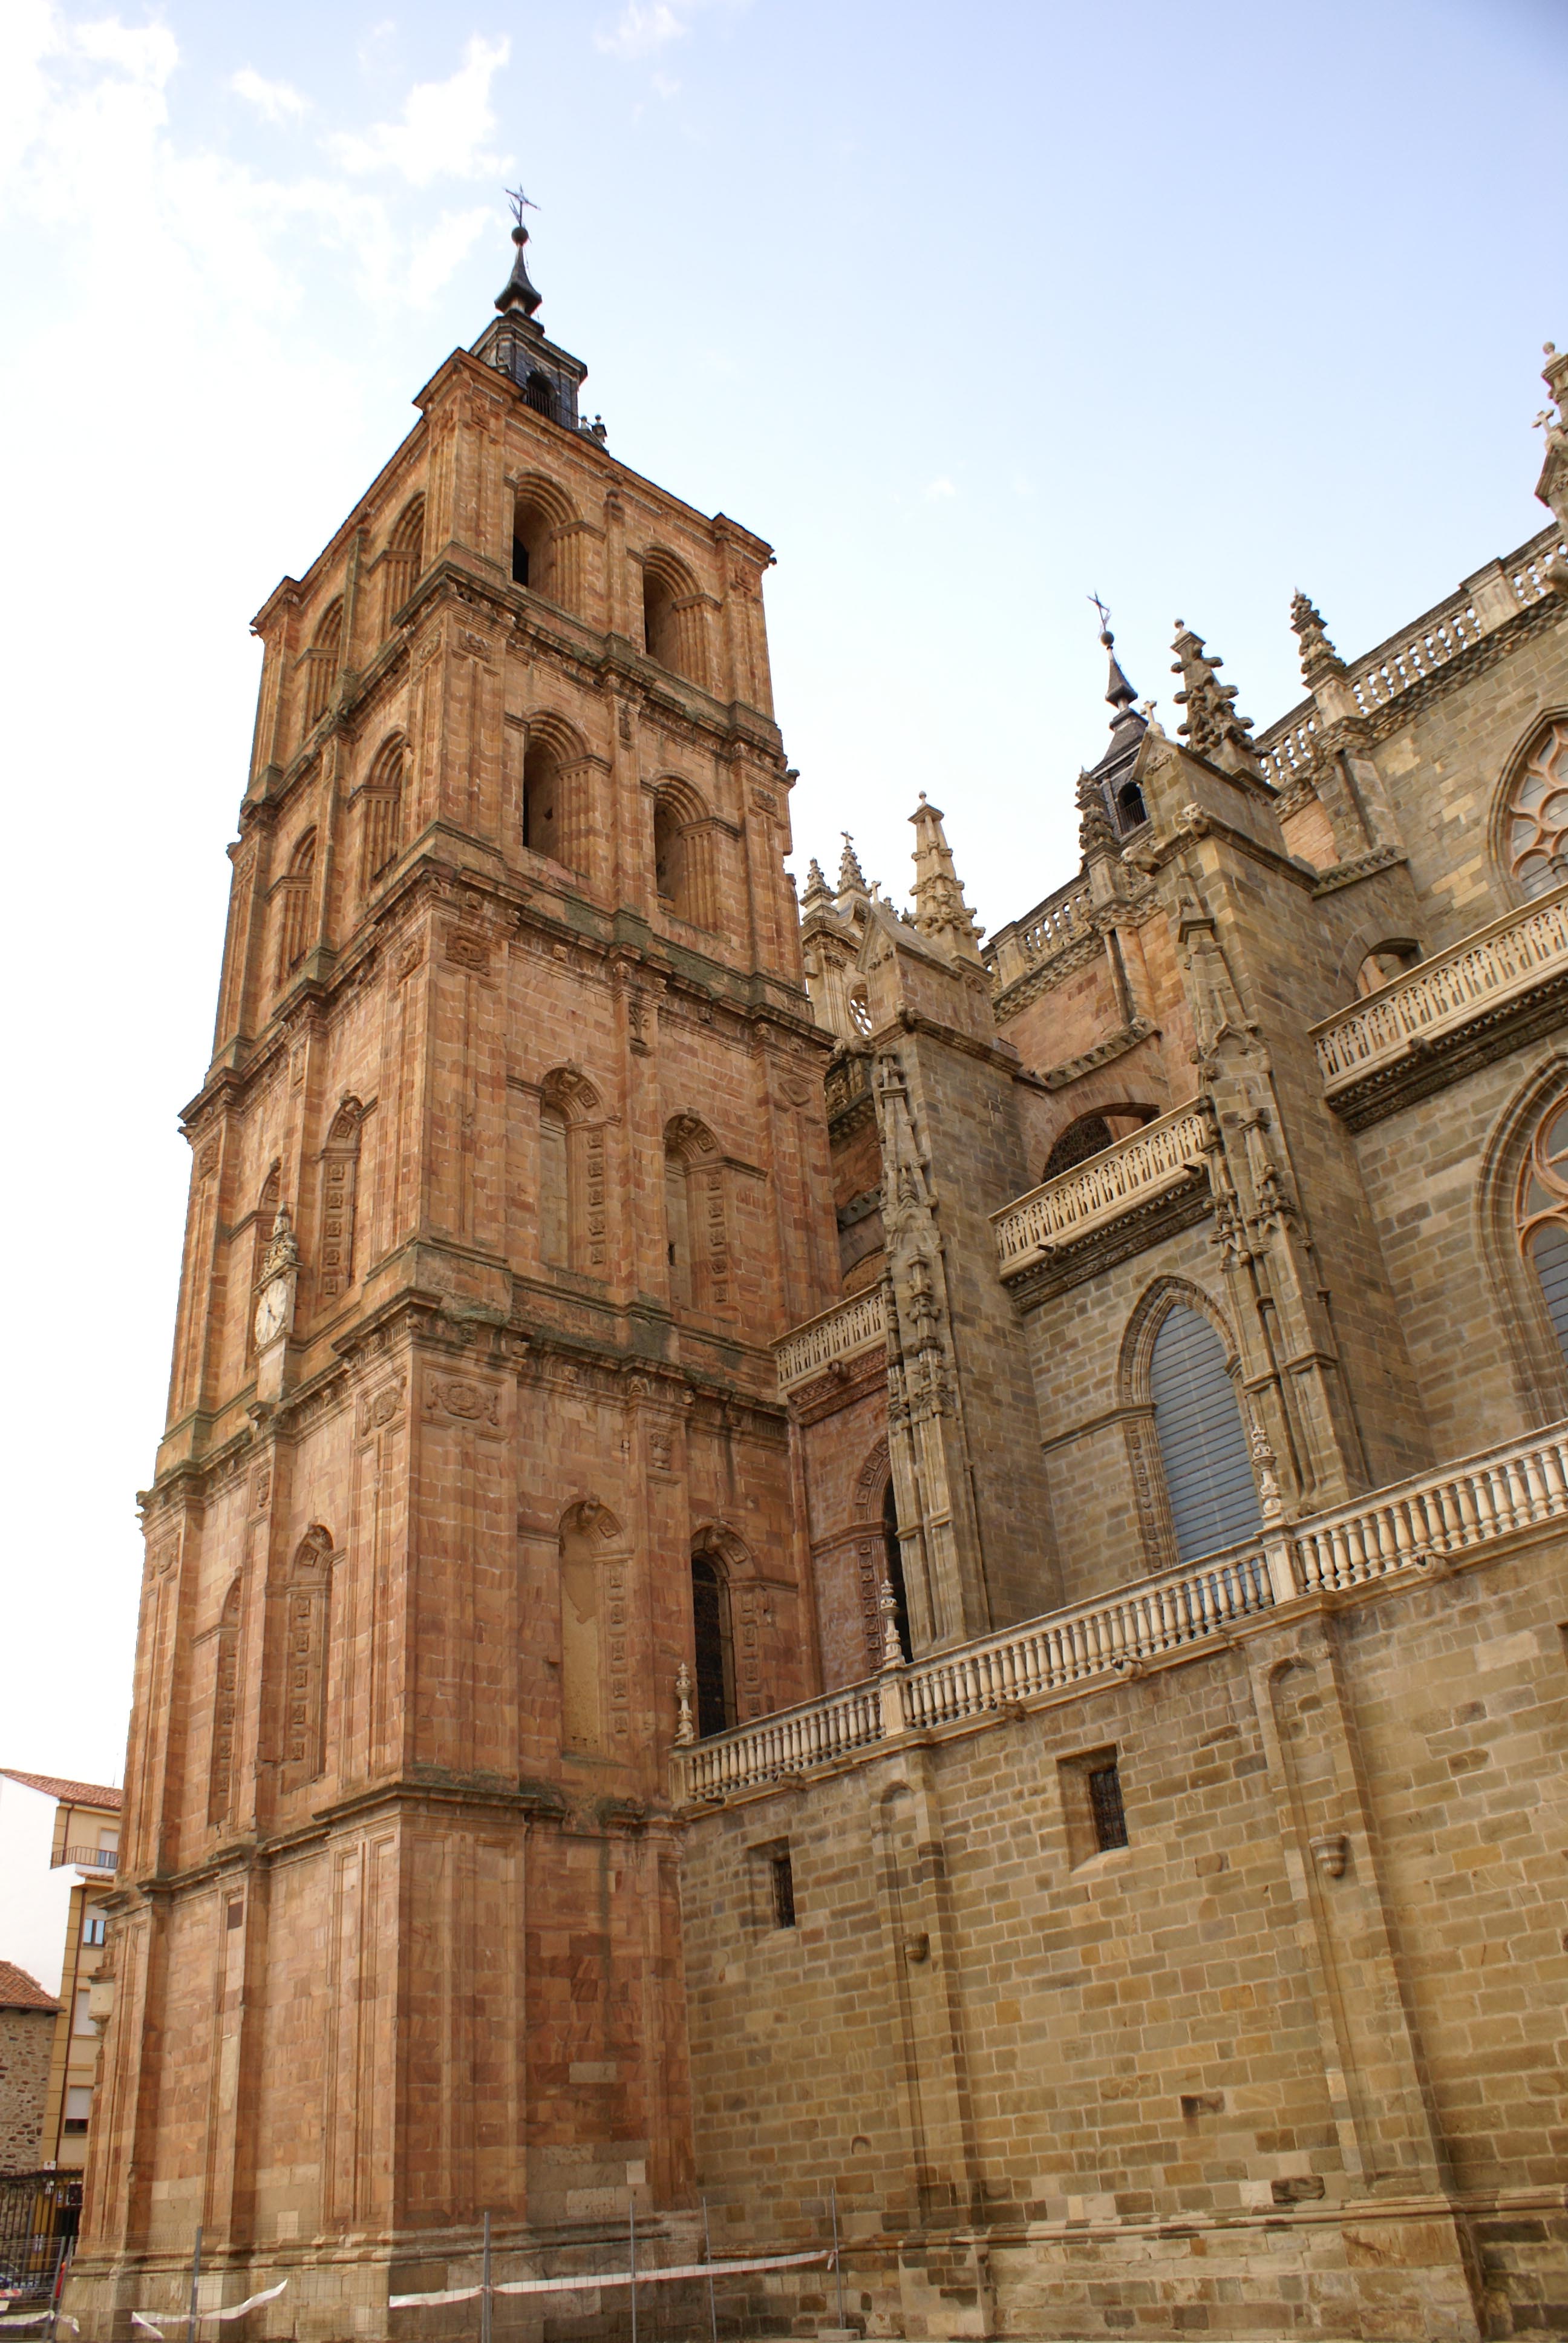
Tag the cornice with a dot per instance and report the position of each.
(1361, 866)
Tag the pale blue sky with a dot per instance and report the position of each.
(969, 313)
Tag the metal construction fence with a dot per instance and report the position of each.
(40, 2213)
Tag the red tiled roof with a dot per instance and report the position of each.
(19, 1991)
(75, 1793)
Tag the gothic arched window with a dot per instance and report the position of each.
(1544, 1216)
(711, 1642)
(1535, 826)
(1203, 1445)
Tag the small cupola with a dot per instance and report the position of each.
(517, 343)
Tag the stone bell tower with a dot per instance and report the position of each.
(509, 1165)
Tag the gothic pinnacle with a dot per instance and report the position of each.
(1319, 656)
(941, 911)
(851, 878)
(1212, 728)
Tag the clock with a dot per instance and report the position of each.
(271, 1310)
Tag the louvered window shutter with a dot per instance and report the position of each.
(1549, 1250)
(1208, 1471)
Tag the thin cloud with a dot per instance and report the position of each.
(274, 101)
(645, 27)
(937, 489)
(444, 127)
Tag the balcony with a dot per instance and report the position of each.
(1397, 1535)
(1450, 1014)
(1140, 1173)
(89, 1858)
(849, 1327)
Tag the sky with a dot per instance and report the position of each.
(971, 312)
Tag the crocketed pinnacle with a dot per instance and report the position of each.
(1319, 656)
(851, 878)
(819, 895)
(940, 911)
(1212, 728)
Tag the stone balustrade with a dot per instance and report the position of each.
(849, 1326)
(1418, 1522)
(1408, 1529)
(1024, 945)
(1441, 996)
(1147, 1164)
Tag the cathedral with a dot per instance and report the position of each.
(816, 1578)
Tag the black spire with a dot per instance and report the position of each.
(1110, 783)
(518, 292)
(1120, 695)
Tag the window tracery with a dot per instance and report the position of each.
(1535, 829)
(1543, 1215)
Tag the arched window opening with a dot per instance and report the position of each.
(860, 1010)
(555, 1240)
(660, 626)
(304, 1688)
(1129, 807)
(894, 1554)
(540, 393)
(1383, 964)
(696, 1217)
(533, 561)
(383, 813)
(321, 662)
(677, 1229)
(543, 802)
(711, 1642)
(1535, 827)
(405, 560)
(572, 1210)
(669, 856)
(1086, 1137)
(294, 918)
(1094, 1133)
(267, 1205)
(339, 1200)
(1542, 1216)
(225, 1708)
(1203, 1445)
(683, 866)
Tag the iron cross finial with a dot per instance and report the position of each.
(1104, 614)
(519, 204)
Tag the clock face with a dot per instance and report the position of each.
(271, 1310)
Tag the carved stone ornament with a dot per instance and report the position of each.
(685, 1730)
(1331, 1852)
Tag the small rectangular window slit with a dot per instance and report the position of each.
(783, 1882)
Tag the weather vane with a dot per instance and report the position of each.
(1104, 614)
(519, 204)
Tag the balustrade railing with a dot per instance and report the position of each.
(1511, 956)
(1287, 751)
(814, 1734)
(1403, 1529)
(1132, 1172)
(1059, 919)
(1485, 1497)
(849, 1326)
